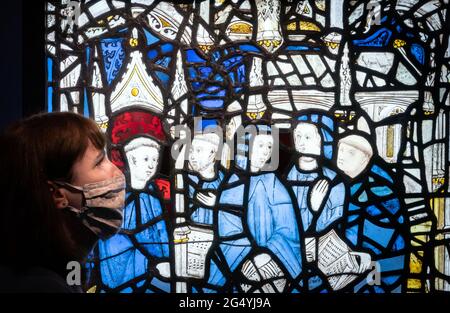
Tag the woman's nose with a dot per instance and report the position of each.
(115, 170)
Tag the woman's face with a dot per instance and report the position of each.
(93, 167)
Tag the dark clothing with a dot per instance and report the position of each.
(34, 280)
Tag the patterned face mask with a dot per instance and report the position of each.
(103, 202)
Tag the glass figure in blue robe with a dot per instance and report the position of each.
(137, 258)
(320, 193)
(267, 257)
(375, 219)
(204, 178)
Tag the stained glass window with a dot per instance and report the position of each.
(269, 146)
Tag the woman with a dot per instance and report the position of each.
(60, 194)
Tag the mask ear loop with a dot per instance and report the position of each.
(76, 189)
(52, 186)
(68, 186)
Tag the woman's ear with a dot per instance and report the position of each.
(58, 195)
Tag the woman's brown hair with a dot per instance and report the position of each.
(36, 150)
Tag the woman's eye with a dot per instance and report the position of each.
(100, 162)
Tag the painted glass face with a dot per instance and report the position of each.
(143, 164)
(307, 139)
(351, 160)
(201, 155)
(261, 151)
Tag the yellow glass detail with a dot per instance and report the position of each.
(415, 265)
(241, 28)
(390, 141)
(134, 42)
(292, 26)
(332, 45)
(134, 92)
(103, 126)
(320, 5)
(164, 22)
(205, 48)
(414, 284)
(269, 43)
(398, 43)
(309, 26)
(438, 180)
(255, 115)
